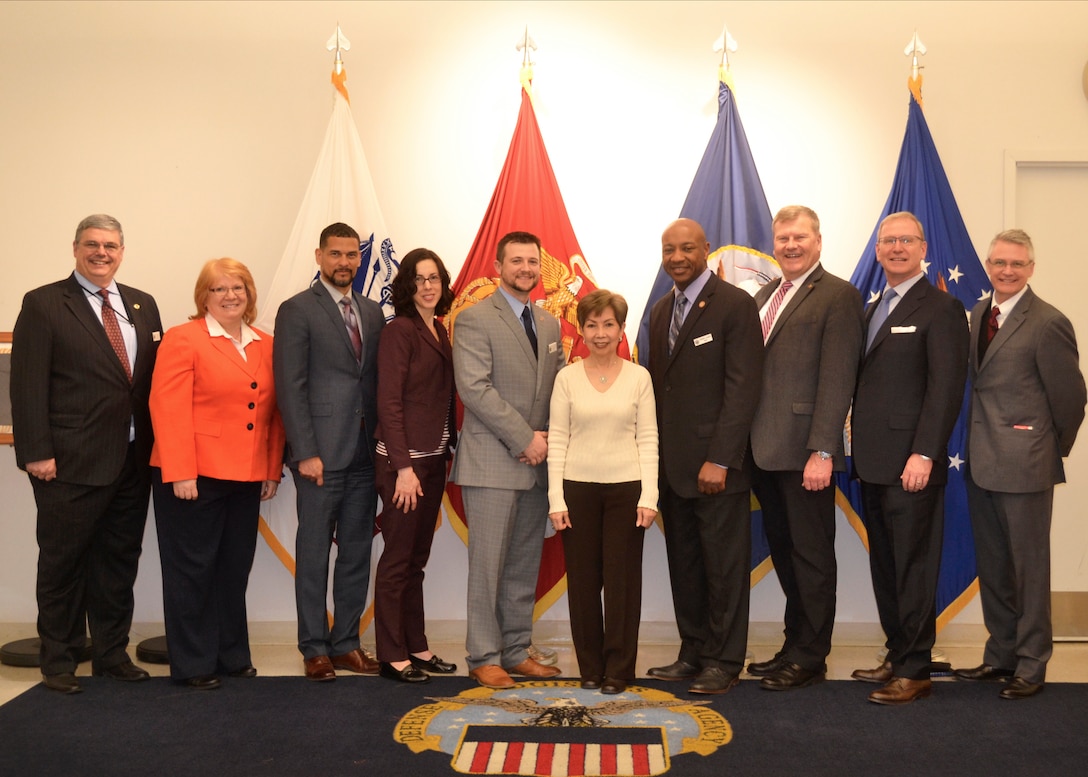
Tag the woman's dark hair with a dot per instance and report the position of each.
(404, 284)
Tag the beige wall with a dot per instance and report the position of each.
(197, 124)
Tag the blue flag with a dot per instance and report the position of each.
(921, 187)
(726, 198)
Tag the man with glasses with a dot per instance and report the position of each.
(908, 396)
(82, 355)
(1026, 407)
(325, 363)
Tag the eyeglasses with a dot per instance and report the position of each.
(239, 291)
(905, 240)
(1016, 264)
(93, 247)
(434, 280)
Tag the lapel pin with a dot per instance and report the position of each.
(136, 306)
(702, 303)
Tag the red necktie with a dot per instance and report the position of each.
(772, 309)
(113, 332)
(991, 325)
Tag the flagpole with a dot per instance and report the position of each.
(915, 48)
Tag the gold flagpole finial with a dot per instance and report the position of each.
(915, 48)
(525, 45)
(725, 44)
(339, 43)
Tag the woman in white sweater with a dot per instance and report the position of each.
(602, 475)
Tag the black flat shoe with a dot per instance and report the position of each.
(433, 665)
(408, 674)
(245, 671)
(204, 682)
(612, 685)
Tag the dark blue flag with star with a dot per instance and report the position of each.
(921, 187)
(726, 198)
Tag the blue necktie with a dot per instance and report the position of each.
(880, 315)
(527, 322)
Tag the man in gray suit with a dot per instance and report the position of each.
(326, 356)
(813, 333)
(1026, 407)
(506, 354)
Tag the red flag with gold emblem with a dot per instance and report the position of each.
(527, 198)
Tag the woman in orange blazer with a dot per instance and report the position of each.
(218, 453)
(416, 431)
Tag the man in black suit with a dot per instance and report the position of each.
(706, 358)
(909, 392)
(812, 327)
(326, 367)
(82, 355)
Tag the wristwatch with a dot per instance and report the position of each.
(824, 455)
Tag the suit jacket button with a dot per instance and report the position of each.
(251, 405)
(253, 385)
(250, 427)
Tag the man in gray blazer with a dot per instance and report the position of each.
(506, 354)
(83, 352)
(909, 393)
(1027, 405)
(813, 333)
(325, 363)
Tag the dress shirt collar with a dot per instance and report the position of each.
(336, 292)
(694, 289)
(517, 305)
(1008, 306)
(216, 330)
(94, 288)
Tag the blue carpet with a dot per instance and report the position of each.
(369, 726)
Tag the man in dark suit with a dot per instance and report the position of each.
(325, 363)
(705, 361)
(506, 354)
(813, 333)
(1027, 405)
(908, 396)
(82, 355)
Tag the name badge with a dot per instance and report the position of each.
(703, 340)
(156, 336)
(552, 347)
(903, 330)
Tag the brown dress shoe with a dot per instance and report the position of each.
(901, 690)
(492, 676)
(356, 661)
(530, 668)
(882, 674)
(319, 669)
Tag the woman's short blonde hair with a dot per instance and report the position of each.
(212, 271)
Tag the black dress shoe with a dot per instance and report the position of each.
(204, 682)
(245, 671)
(591, 682)
(713, 680)
(984, 673)
(764, 668)
(432, 665)
(613, 685)
(62, 683)
(408, 674)
(126, 671)
(1019, 688)
(790, 677)
(677, 670)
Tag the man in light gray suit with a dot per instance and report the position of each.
(325, 362)
(506, 354)
(813, 331)
(1027, 404)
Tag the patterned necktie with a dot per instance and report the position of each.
(880, 315)
(991, 325)
(772, 309)
(113, 332)
(527, 322)
(352, 325)
(677, 319)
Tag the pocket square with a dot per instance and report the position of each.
(903, 330)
